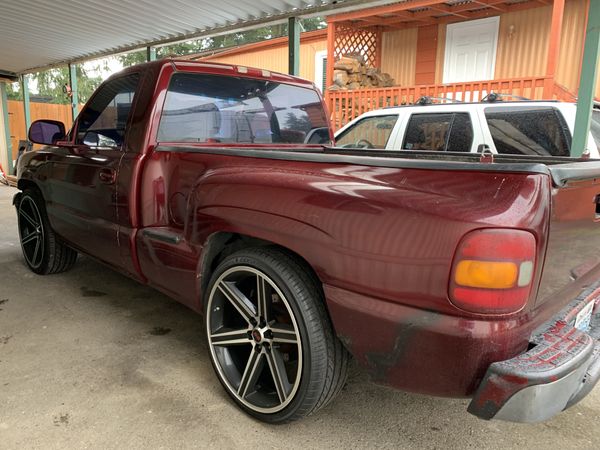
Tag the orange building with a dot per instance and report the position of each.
(272, 55)
(460, 49)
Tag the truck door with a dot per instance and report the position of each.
(84, 178)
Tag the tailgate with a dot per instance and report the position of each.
(572, 259)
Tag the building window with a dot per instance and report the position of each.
(321, 70)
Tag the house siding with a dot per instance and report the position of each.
(427, 38)
(275, 58)
(571, 45)
(525, 52)
(441, 51)
(399, 55)
(521, 55)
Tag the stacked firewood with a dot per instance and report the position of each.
(351, 72)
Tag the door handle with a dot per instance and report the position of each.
(108, 176)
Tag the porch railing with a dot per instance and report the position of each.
(345, 106)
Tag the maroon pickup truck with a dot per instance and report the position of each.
(447, 274)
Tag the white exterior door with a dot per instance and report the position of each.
(471, 50)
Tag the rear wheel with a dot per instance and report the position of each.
(42, 250)
(270, 339)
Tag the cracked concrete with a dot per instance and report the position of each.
(91, 359)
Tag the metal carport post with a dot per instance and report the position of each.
(74, 96)
(293, 46)
(587, 82)
(150, 54)
(26, 107)
(5, 131)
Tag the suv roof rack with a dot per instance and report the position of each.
(493, 97)
(427, 100)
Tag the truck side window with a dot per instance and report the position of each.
(528, 131)
(223, 109)
(451, 132)
(370, 132)
(103, 121)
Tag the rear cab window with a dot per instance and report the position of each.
(444, 131)
(211, 109)
(528, 130)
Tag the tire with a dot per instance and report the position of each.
(44, 253)
(277, 358)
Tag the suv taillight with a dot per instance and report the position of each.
(493, 270)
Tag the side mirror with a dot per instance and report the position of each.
(91, 139)
(46, 132)
(318, 136)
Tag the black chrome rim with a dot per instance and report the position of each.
(31, 232)
(254, 339)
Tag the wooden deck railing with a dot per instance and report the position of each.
(347, 105)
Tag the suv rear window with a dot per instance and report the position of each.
(217, 109)
(529, 131)
(451, 132)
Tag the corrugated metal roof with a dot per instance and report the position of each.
(36, 34)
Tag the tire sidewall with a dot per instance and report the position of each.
(297, 303)
(43, 267)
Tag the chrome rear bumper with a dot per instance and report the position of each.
(560, 369)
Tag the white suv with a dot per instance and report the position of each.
(542, 128)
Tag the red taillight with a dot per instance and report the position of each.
(493, 271)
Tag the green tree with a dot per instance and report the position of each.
(50, 83)
(220, 42)
(133, 58)
(13, 91)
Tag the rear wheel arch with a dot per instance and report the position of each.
(222, 244)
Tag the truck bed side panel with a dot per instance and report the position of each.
(383, 234)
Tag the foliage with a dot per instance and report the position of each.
(13, 91)
(220, 42)
(295, 121)
(50, 83)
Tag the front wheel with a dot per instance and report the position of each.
(44, 253)
(270, 339)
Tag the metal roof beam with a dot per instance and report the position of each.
(382, 10)
(10, 76)
(247, 15)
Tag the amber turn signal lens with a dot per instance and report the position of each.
(486, 274)
(493, 271)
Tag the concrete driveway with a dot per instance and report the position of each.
(90, 359)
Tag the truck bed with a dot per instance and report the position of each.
(561, 169)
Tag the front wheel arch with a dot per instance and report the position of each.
(43, 251)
